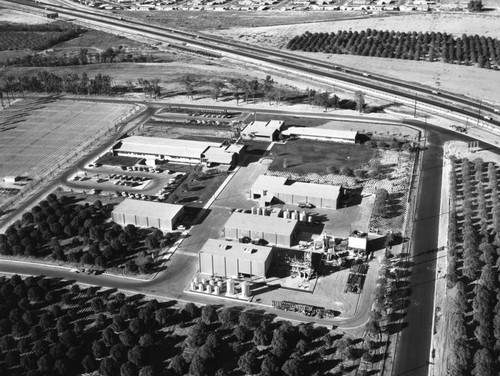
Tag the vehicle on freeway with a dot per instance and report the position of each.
(435, 92)
(366, 74)
(76, 270)
(486, 117)
(460, 128)
(497, 110)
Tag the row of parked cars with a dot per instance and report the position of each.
(142, 169)
(138, 196)
(172, 185)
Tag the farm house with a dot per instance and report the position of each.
(273, 230)
(230, 259)
(267, 189)
(147, 214)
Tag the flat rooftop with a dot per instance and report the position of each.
(261, 223)
(266, 128)
(148, 208)
(242, 251)
(164, 146)
(320, 132)
(275, 184)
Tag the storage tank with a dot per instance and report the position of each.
(286, 214)
(219, 284)
(245, 289)
(309, 218)
(216, 290)
(203, 280)
(200, 287)
(230, 286)
(211, 282)
(196, 281)
(295, 215)
(208, 289)
(193, 286)
(302, 217)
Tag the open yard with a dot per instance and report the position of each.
(39, 136)
(310, 156)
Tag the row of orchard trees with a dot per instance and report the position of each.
(51, 327)
(473, 264)
(93, 242)
(467, 49)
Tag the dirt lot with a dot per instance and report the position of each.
(310, 156)
(469, 81)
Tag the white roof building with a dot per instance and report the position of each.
(323, 134)
(263, 130)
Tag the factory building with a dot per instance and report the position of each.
(230, 259)
(263, 130)
(272, 230)
(322, 134)
(158, 149)
(267, 189)
(147, 214)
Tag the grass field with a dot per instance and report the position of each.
(310, 156)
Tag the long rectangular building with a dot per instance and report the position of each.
(268, 188)
(176, 150)
(322, 134)
(230, 259)
(274, 230)
(147, 214)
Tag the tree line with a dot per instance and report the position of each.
(82, 57)
(473, 265)
(427, 46)
(53, 327)
(87, 238)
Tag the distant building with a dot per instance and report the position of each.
(273, 230)
(178, 151)
(268, 189)
(230, 259)
(263, 130)
(322, 134)
(147, 214)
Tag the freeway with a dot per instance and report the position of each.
(286, 60)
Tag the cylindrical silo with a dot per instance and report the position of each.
(208, 289)
(302, 217)
(211, 282)
(200, 287)
(193, 286)
(309, 218)
(295, 215)
(230, 286)
(216, 290)
(245, 289)
(196, 281)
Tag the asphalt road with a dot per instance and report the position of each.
(413, 347)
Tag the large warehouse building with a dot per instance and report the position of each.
(148, 214)
(274, 230)
(230, 259)
(268, 188)
(322, 134)
(176, 150)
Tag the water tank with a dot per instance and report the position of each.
(286, 214)
(196, 281)
(217, 290)
(203, 280)
(309, 218)
(219, 284)
(200, 287)
(208, 289)
(193, 286)
(302, 217)
(295, 215)
(211, 282)
(245, 289)
(230, 286)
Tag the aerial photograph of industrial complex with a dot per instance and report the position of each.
(249, 187)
